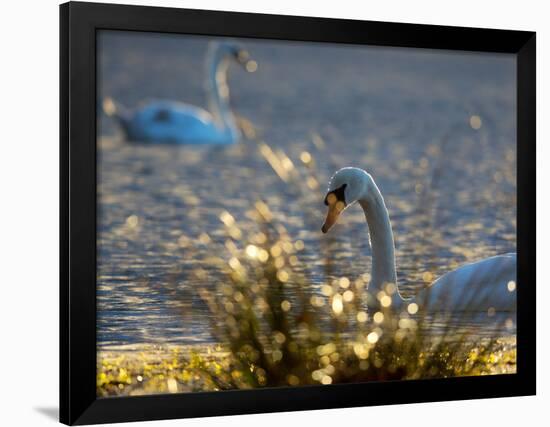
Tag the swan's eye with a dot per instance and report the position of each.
(337, 195)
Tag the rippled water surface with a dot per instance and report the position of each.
(403, 115)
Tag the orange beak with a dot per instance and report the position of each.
(335, 208)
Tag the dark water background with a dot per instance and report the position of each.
(401, 114)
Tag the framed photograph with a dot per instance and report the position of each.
(268, 213)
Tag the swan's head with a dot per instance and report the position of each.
(346, 186)
(237, 52)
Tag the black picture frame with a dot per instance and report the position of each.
(79, 23)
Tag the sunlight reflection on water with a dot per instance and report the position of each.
(450, 189)
(156, 204)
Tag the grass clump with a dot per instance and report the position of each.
(282, 329)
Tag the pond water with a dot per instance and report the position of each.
(436, 130)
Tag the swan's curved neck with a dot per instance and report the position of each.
(218, 93)
(381, 238)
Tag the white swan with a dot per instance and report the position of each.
(175, 122)
(486, 285)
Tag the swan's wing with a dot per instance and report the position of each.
(161, 121)
(173, 112)
(479, 286)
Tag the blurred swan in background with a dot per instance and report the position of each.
(173, 122)
(484, 286)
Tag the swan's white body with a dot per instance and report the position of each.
(172, 122)
(478, 286)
